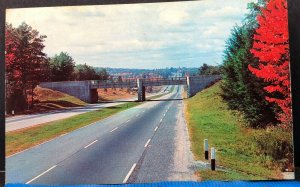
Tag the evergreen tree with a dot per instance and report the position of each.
(241, 89)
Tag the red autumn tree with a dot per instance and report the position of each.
(271, 47)
(25, 64)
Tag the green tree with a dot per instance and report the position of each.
(85, 72)
(102, 74)
(62, 67)
(209, 70)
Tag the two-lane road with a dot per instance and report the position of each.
(136, 145)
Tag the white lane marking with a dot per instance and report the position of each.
(144, 111)
(160, 120)
(164, 114)
(155, 129)
(91, 144)
(167, 110)
(41, 174)
(147, 143)
(137, 115)
(127, 121)
(114, 129)
(129, 173)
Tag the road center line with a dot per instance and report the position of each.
(91, 144)
(114, 129)
(41, 174)
(164, 114)
(147, 142)
(129, 173)
(155, 129)
(160, 120)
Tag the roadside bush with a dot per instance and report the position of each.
(276, 143)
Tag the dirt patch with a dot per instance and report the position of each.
(111, 94)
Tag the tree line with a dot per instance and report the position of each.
(256, 65)
(256, 77)
(27, 65)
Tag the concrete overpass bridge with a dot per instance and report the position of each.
(87, 90)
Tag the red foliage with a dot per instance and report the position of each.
(24, 59)
(271, 47)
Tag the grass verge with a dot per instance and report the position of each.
(209, 117)
(22, 139)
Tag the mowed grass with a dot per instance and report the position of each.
(209, 118)
(22, 139)
(225, 175)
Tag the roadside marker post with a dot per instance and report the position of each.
(13, 112)
(213, 159)
(206, 149)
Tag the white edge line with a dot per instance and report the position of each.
(147, 143)
(114, 129)
(91, 144)
(41, 174)
(155, 129)
(127, 121)
(161, 120)
(129, 173)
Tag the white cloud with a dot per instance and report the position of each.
(173, 16)
(142, 35)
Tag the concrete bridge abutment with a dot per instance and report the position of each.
(196, 84)
(79, 89)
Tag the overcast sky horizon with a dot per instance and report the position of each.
(143, 36)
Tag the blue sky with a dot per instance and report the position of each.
(154, 35)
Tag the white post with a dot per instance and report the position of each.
(213, 159)
(206, 149)
(13, 112)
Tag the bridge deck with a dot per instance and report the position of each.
(133, 83)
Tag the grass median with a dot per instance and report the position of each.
(22, 139)
(209, 117)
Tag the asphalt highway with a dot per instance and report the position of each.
(24, 121)
(136, 145)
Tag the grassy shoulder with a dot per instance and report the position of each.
(22, 139)
(208, 117)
